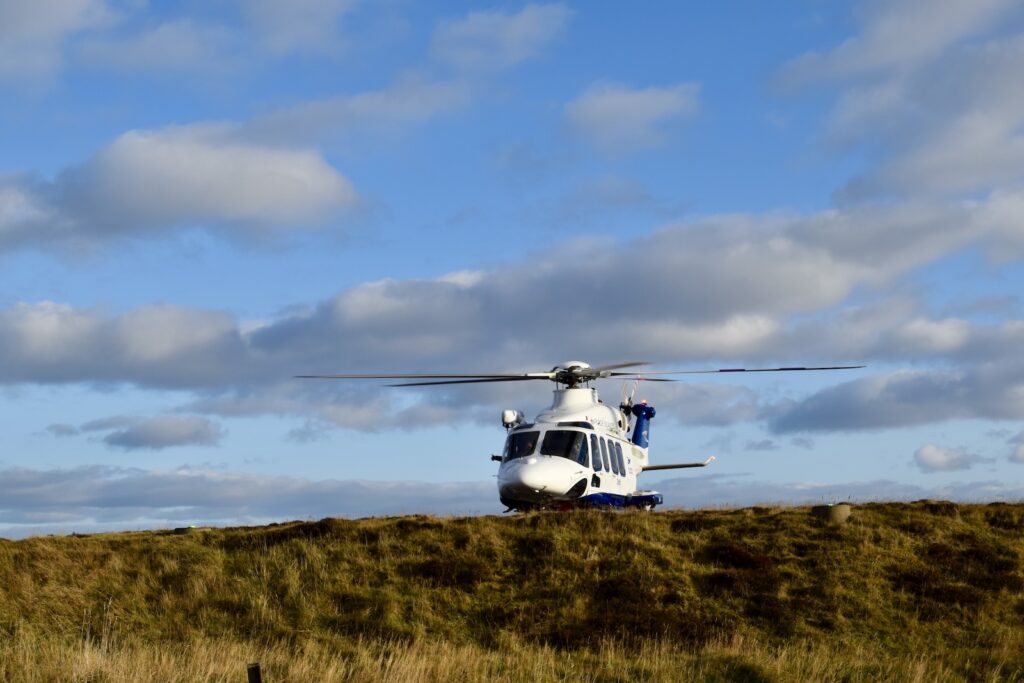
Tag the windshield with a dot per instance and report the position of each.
(566, 444)
(520, 444)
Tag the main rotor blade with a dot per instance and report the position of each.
(707, 372)
(540, 375)
(520, 378)
(642, 378)
(615, 366)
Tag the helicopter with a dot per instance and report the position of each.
(579, 452)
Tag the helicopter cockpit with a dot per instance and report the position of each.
(586, 448)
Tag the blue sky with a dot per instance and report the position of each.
(199, 200)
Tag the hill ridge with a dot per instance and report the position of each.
(900, 580)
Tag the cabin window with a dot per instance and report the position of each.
(583, 456)
(565, 444)
(520, 444)
(604, 455)
(618, 456)
(596, 451)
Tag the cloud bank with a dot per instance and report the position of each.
(148, 182)
(932, 458)
(487, 40)
(730, 288)
(32, 35)
(153, 433)
(617, 118)
(97, 498)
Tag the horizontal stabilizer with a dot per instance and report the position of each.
(679, 466)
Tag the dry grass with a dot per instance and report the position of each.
(31, 659)
(904, 592)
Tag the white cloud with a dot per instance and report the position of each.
(159, 345)
(910, 397)
(32, 34)
(897, 329)
(617, 118)
(722, 286)
(497, 39)
(900, 34)
(173, 45)
(932, 458)
(156, 433)
(22, 208)
(298, 26)
(147, 181)
(184, 174)
(730, 288)
(410, 100)
(935, 336)
(953, 127)
(930, 88)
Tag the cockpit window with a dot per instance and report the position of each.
(583, 456)
(520, 444)
(565, 444)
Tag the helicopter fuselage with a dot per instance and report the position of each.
(578, 452)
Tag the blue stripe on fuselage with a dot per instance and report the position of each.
(620, 501)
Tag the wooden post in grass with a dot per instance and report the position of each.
(254, 673)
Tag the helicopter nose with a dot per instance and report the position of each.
(536, 476)
(546, 476)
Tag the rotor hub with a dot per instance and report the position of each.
(574, 372)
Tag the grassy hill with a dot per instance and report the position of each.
(924, 591)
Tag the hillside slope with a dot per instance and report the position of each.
(929, 590)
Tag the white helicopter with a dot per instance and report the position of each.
(579, 452)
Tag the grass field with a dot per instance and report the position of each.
(927, 591)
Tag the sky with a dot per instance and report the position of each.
(200, 200)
